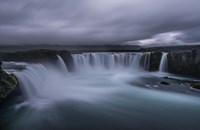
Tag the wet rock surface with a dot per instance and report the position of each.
(8, 83)
(192, 83)
(168, 84)
(196, 85)
(164, 83)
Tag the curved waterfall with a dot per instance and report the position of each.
(112, 60)
(106, 95)
(62, 65)
(164, 63)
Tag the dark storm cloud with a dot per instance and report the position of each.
(99, 22)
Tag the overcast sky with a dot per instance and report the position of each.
(142, 22)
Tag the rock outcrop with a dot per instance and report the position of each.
(155, 61)
(67, 58)
(8, 82)
(39, 56)
(185, 62)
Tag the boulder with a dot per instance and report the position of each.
(164, 83)
(196, 85)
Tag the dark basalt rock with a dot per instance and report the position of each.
(67, 58)
(155, 61)
(39, 56)
(164, 83)
(8, 83)
(185, 62)
(182, 60)
(30, 56)
(196, 85)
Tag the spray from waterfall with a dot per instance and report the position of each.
(41, 81)
(164, 63)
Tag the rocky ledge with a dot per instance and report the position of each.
(8, 82)
(195, 84)
(183, 60)
(39, 56)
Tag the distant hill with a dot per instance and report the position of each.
(73, 48)
(99, 48)
(170, 48)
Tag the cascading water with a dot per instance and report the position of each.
(147, 60)
(112, 60)
(62, 65)
(98, 98)
(164, 63)
(34, 79)
(31, 79)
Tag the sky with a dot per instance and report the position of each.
(98, 22)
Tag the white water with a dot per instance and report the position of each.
(61, 65)
(164, 63)
(41, 82)
(112, 61)
(99, 95)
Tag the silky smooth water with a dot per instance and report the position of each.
(97, 96)
(164, 63)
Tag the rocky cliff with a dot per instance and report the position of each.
(155, 58)
(183, 60)
(8, 82)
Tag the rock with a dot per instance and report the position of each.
(185, 62)
(164, 83)
(196, 85)
(182, 60)
(11, 65)
(31, 56)
(39, 56)
(155, 61)
(8, 83)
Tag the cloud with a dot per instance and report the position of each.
(98, 22)
(169, 38)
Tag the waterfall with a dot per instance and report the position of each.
(42, 82)
(62, 65)
(115, 98)
(112, 60)
(164, 63)
(147, 60)
(31, 79)
(38, 79)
